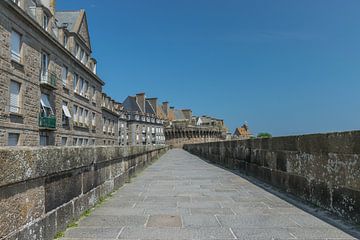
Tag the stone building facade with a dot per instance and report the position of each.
(110, 120)
(52, 95)
(144, 127)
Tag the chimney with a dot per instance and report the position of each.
(165, 108)
(140, 99)
(187, 113)
(153, 103)
(49, 4)
(52, 6)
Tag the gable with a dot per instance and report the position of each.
(83, 31)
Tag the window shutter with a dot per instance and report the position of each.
(14, 96)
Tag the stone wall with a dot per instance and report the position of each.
(179, 142)
(323, 169)
(43, 189)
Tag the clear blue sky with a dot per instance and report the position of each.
(285, 66)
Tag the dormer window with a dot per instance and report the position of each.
(81, 55)
(77, 51)
(17, 2)
(45, 22)
(65, 43)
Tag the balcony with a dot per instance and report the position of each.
(48, 80)
(48, 122)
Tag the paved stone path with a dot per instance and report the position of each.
(182, 197)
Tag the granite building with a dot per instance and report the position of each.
(51, 92)
(144, 126)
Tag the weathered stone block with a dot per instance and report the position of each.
(64, 215)
(20, 204)
(61, 189)
(346, 202)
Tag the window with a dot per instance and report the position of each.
(15, 46)
(86, 89)
(13, 139)
(64, 75)
(81, 86)
(81, 117)
(75, 113)
(81, 57)
(45, 22)
(75, 141)
(86, 117)
(65, 114)
(17, 2)
(104, 125)
(80, 141)
(94, 68)
(14, 97)
(93, 119)
(86, 141)
(92, 141)
(93, 93)
(64, 141)
(44, 67)
(46, 109)
(65, 40)
(44, 139)
(85, 58)
(75, 81)
(77, 51)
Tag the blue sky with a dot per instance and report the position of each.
(284, 66)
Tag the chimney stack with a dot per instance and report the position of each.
(187, 113)
(165, 108)
(140, 99)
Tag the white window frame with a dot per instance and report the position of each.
(65, 40)
(16, 43)
(45, 22)
(45, 105)
(64, 75)
(14, 104)
(44, 67)
(75, 113)
(75, 82)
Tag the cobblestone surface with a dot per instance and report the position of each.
(183, 197)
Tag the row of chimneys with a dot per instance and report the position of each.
(140, 99)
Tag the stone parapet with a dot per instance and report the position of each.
(43, 189)
(323, 169)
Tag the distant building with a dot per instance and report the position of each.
(144, 126)
(182, 127)
(242, 132)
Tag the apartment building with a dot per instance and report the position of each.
(144, 127)
(110, 120)
(51, 94)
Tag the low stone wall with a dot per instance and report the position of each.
(180, 142)
(323, 169)
(43, 189)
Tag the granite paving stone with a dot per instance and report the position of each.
(181, 196)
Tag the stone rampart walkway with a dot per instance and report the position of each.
(182, 197)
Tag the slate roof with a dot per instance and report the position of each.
(131, 105)
(160, 112)
(179, 115)
(67, 17)
(148, 108)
